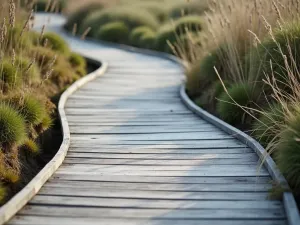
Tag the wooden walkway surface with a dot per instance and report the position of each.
(139, 156)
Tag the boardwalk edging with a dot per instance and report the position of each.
(19, 200)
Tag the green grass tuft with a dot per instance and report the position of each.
(202, 74)
(288, 151)
(268, 59)
(244, 95)
(164, 34)
(77, 60)
(117, 32)
(12, 126)
(131, 17)
(29, 70)
(56, 42)
(266, 128)
(10, 74)
(137, 33)
(31, 146)
(191, 23)
(31, 108)
(148, 40)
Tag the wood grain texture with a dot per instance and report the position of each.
(139, 156)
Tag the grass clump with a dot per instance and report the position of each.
(137, 33)
(230, 104)
(189, 23)
(266, 128)
(77, 60)
(31, 146)
(29, 70)
(147, 40)
(288, 151)
(12, 126)
(117, 32)
(164, 35)
(268, 57)
(31, 108)
(203, 74)
(129, 16)
(56, 43)
(10, 74)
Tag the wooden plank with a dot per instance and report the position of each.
(153, 213)
(232, 187)
(46, 220)
(130, 124)
(169, 179)
(167, 156)
(171, 195)
(137, 130)
(34, 220)
(134, 150)
(152, 204)
(193, 171)
(231, 143)
(99, 119)
(153, 137)
(159, 162)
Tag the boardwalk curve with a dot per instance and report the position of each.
(138, 155)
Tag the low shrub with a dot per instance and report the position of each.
(191, 23)
(117, 32)
(77, 60)
(10, 74)
(266, 128)
(12, 126)
(79, 16)
(244, 95)
(44, 57)
(165, 33)
(8, 174)
(137, 33)
(268, 57)
(63, 75)
(29, 70)
(17, 41)
(132, 18)
(31, 108)
(203, 74)
(147, 40)
(288, 151)
(56, 43)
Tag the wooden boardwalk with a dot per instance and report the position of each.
(139, 156)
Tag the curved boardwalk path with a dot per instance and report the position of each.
(139, 156)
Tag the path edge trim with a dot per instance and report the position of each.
(19, 200)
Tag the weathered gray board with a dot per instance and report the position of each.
(137, 177)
